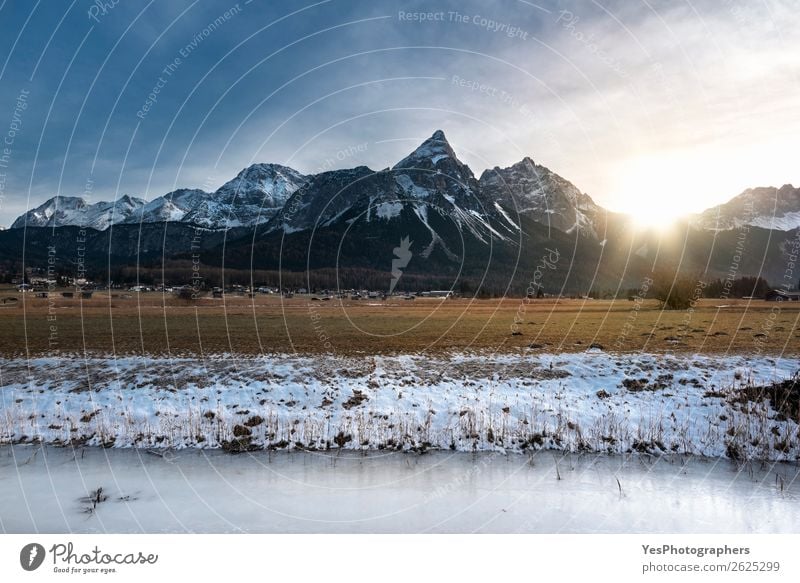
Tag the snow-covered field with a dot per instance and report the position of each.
(45, 489)
(592, 401)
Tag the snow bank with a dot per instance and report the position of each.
(594, 401)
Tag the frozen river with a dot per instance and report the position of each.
(54, 490)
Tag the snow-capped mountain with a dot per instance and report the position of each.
(537, 192)
(72, 210)
(256, 194)
(253, 197)
(172, 207)
(429, 192)
(765, 207)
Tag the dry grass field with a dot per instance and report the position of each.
(155, 323)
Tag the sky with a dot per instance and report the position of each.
(652, 108)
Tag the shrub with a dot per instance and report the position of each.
(254, 421)
(676, 291)
(241, 431)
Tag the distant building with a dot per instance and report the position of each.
(437, 294)
(779, 295)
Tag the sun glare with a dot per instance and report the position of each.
(654, 193)
(652, 219)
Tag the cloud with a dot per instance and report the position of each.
(708, 88)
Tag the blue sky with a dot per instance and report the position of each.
(660, 105)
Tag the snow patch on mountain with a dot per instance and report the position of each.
(389, 210)
(410, 188)
(786, 222)
(504, 214)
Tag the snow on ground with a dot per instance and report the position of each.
(44, 489)
(593, 401)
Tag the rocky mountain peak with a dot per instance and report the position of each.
(430, 154)
(539, 193)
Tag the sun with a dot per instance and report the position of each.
(653, 192)
(653, 217)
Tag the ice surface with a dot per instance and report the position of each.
(47, 490)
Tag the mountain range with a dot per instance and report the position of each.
(253, 197)
(490, 228)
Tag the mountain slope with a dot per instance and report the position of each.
(765, 207)
(542, 195)
(256, 194)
